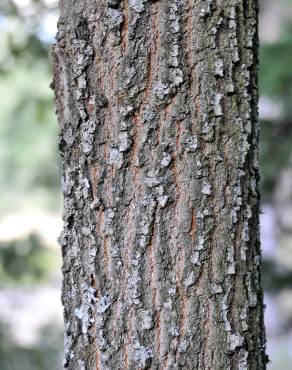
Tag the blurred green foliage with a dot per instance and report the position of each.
(23, 35)
(275, 153)
(28, 137)
(29, 161)
(275, 77)
(26, 261)
(29, 165)
(275, 82)
(275, 277)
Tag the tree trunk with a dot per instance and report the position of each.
(157, 104)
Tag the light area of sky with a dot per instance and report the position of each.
(47, 26)
(21, 224)
(26, 3)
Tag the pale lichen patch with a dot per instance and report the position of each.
(137, 5)
(235, 341)
(206, 189)
(114, 18)
(191, 143)
(124, 141)
(142, 355)
(190, 280)
(146, 319)
(116, 158)
(219, 68)
(103, 304)
(166, 160)
(162, 200)
(217, 107)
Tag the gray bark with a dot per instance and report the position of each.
(157, 105)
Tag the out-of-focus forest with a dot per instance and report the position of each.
(30, 204)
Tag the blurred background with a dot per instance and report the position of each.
(30, 199)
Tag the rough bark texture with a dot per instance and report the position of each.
(157, 104)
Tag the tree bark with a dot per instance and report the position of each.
(157, 105)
